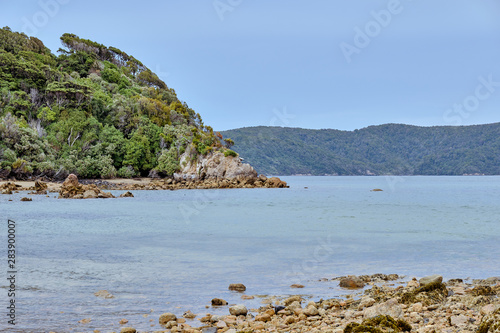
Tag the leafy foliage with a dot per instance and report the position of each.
(93, 110)
(391, 149)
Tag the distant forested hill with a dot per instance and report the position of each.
(381, 150)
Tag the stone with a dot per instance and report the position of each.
(189, 315)
(389, 308)
(167, 317)
(123, 321)
(430, 279)
(459, 320)
(489, 308)
(238, 310)
(294, 305)
(413, 283)
(351, 282)
(26, 199)
(40, 187)
(221, 324)
(218, 302)
(104, 294)
(263, 317)
(275, 182)
(71, 181)
(292, 299)
(417, 307)
(297, 286)
(85, 321)
(128, 330)
(237, 287)
(89, 194)
(366, 302)
(127, 194)
(310, 311)
(209, 330)
(247, 297)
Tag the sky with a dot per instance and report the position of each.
(310, 64)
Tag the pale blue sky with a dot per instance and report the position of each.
(299, 63)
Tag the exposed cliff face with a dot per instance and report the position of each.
(214, 166)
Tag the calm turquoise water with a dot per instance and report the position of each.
(172, 251)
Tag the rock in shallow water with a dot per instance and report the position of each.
(237, 287)
(218, 302)
(238, 310)
(167, 317)
(104, 294)
(351, 282)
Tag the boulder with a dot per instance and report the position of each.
(189, 315)
(310, 311)
(430, 279)
(389, 308)
(127, 194)
(351, 282)
(218, 302)
(72, 189)
(128, 330)
(167, 317)
(237, 287)
(71, 181)
(238, 310)
(40, 187)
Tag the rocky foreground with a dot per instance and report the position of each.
(426, 305)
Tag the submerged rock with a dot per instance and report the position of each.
(104, 294)
(237, 287)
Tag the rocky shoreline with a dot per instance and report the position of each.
(376, 303)
(73, 188)
(390, 305)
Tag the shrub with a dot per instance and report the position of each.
(126, 172)
(230, 152)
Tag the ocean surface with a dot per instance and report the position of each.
(173, 251)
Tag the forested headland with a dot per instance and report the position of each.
(91, 110)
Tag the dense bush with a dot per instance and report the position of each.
(93, 110)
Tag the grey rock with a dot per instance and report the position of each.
(388, 308)
(238, 310)
(430, 279)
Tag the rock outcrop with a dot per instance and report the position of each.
(72, 189)
(214, 166)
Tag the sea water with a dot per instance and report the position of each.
(173, 251)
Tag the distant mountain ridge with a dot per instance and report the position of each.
(390, 149)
